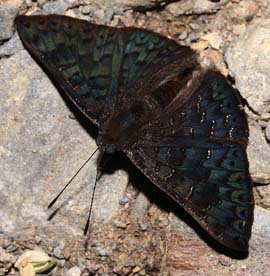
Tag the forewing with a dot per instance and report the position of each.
(97, 66)
(197, 155)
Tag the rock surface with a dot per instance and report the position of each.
(262, 194)
(57, 7)
(8, 11)
(134, 4)
(74, 271)
(248, 59)
(11, 46)
(195, 6)
(258, 155)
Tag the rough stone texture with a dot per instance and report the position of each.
(11, 46)
(262, 196)
(194, 7)
(261, 225)
(267, 131)
(258, 154)
(139, 209)
(74, 271)
(38, 148)
(214, 40)
(8, 11)
(213, 58)
(248, 59)
(188, 254)
(246, 8)
(132, 4)
(58, 7)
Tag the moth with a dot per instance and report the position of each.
(182, 126)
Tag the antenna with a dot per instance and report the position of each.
(91, 204)
(56, 198)
(100, 166)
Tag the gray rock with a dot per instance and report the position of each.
(258, 154)
(58, 253)
(41, 2)
(29, 3)
(261, 225)
(61, 263)
(267, 131)
(194, 26)
(111, 188)
(86, 9)
(74, 271)
(85, 272)
(195, 7)
(109, 13)
(211, 58)
(58, 7)
(92, 270)
(124, 200)
(99, 16)
(143, 227)
(183, 36)
(139, 209)
(8, 11)
(131, 4)
(263, 199)
(246, 10)
(248, 59)
(38, 239)
(214, 39)
(102, 251)
(193, 37)
(11, 47)
(264, 4)
(6, 257)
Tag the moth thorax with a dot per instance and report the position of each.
(105, 144)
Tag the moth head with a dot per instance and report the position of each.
(105, 147)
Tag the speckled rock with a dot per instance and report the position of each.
(74, 271)
(214, 59)
(263, 196)
(258, 154)
(214, 40)
(131, 4)
(267, 131)
(248, 59)
(11, 46)
(195, 6)
(140, 208)
(246, 9)
(8, 11)
(58, 7)
(261, 225)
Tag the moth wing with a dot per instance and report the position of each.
(197, 155)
